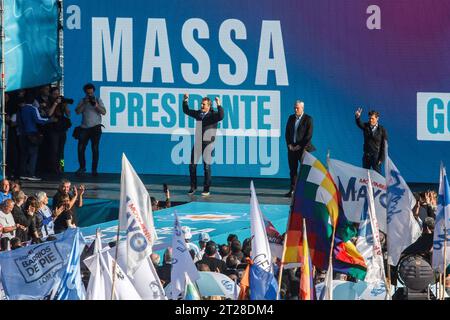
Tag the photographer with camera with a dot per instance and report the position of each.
(59, 112)
(92, 110)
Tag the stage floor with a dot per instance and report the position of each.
(224, 189)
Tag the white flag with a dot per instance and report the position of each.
(442, 224)
(182, 263)
(260, 253)
(327, 291)
(96, 289)
(123, 288)
(145, 280)
(401, 225)
(135, 217)
(352, 184)
(368, 242)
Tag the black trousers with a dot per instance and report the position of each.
(89, 134)
(207, 157)
(57, 140)
(294, 158)
(13, 153)
(370, 161)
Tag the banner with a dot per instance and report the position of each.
(36, 272)
(259, 58)
(352, 184)
(31, 43)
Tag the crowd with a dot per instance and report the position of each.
(28, 219)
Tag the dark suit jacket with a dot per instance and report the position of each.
(304, 132)
(209, 122)
(373, 142)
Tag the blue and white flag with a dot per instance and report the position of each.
(182, 264)
(261, 254)
(71, 286)
(263, 285)
(352, 183)
(368, 242)
(442, 224)
(135, 217)
(44, 271)
(402, 229)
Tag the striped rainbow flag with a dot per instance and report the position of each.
(306, 280)
(317, 200)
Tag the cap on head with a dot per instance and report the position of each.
(187, 232)
(204, 236)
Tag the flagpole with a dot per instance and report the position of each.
(280, 272)
(285, 237)
(115, 261)
(444, 263)
(330, 258)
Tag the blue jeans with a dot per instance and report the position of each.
(28, 156)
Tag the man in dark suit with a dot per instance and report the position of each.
(299, 131)
(205, 133)
(375, 136)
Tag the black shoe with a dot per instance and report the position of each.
(80, 172)
(94, 173)
(289, 194)
(192, 190)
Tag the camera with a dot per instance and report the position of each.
(92, 100)
(66, 100)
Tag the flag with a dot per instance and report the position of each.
(442, 224)
(306, 278)
(123, 288)
(135, 217)
(182, 264)
(317, 200)
(36, 272)
(191, 291)
(352, 184)
(263, 285)
(96, 289)
(327, 292)
(401, 226)
(71, 287)
(145, 280)
(274, 238)
(260, 253)
(244, 293)
(368, 242)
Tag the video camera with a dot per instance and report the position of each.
(66, 100)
